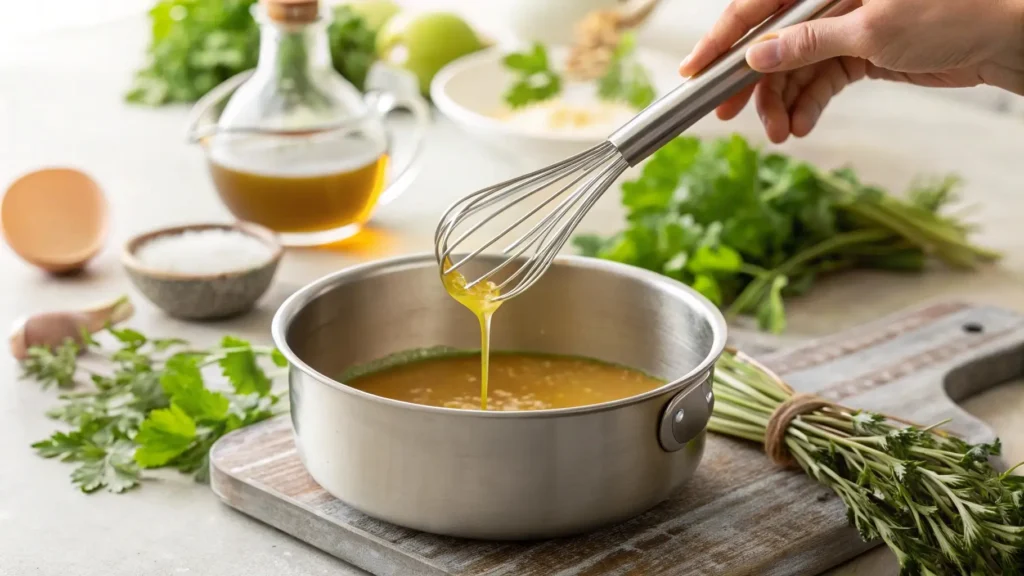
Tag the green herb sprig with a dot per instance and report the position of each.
(626, 80)
(748, 229)
(934, 500)
(197, 44)
(535, 81)
(144, 403)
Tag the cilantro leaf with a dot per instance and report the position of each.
(714, 259)
(165, 434)
(708, 287)
(241, 369)
(353, 44)
(626, 80)
(534, 81)
(588, 244)
(748, 229)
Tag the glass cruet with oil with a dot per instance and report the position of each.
(292, 145)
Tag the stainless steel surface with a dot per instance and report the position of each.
(495, 475)
(687, 414)
(696, 97)
(580, 180)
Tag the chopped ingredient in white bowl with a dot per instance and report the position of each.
(577, 112)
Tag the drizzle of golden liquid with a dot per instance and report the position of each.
(298, 203)
(519, 381)
(481, 301)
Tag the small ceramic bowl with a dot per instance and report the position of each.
(469, 92)
(203, 296)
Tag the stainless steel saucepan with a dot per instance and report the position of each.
(500, 475)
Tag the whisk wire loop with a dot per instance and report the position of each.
(569, 188)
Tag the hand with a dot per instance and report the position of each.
(937, 43)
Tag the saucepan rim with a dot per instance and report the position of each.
(295, 303)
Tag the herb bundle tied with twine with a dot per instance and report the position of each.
(935, 500)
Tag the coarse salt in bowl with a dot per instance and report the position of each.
(205, 251)
(203, 271)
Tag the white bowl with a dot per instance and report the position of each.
(469, 92)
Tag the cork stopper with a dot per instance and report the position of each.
(292, 11)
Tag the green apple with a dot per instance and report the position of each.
(425, 43)
(376, 13)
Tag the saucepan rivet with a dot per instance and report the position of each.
(973, 328)
(686, 415)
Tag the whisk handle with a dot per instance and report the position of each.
(697, 96)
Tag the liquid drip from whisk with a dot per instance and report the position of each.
(562, 194)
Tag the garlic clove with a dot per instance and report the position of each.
(53, 328)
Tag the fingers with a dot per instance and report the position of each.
(739, 17)
(830, 81)
(771, 107)
(792, 102)
(1003, 77)
(731, 107)
(808, 43)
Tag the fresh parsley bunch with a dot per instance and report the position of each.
(146, 403)
(747, 228)
(197, 44)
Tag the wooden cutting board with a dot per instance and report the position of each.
(738, 515)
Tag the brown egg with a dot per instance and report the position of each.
(55, 219)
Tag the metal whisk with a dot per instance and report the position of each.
(579, 181)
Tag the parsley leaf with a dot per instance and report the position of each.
(534, 79)
(130, 338)
(52, 367)
(626, 80)
(145, 409)
(278, 358)
(183, 383)
(115, 470)
(240, 367)
(104, 457)
(163, 435)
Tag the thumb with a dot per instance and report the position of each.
(806, 43)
